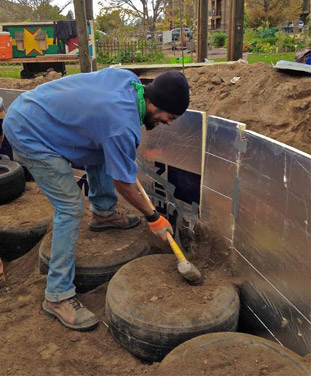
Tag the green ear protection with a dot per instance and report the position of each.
(141, 104)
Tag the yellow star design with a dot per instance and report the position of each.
(31, 44)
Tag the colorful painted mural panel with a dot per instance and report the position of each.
(33, 40)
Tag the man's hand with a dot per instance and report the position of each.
(159, 225)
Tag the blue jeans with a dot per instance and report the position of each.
(55, 178)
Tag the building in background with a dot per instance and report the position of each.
(218, 15)
(306, 10)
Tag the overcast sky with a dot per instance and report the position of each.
(61, 3)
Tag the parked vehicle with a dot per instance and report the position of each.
(176, 33)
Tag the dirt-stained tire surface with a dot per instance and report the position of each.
(234, 354)
(151, 308)
(23, 222)
(98, 255)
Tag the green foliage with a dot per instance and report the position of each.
(285, 42)
(219, 39)
(70, 15)
(270, 58)
(260, 47)
(179, 60)
(249, 35)
(245, 21)
(132, 54)
(108, 20)
(268, 40)
(10, 70)
(273, 11)
(46, 12)
(267, 32)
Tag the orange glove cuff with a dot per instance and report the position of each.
(159, 224)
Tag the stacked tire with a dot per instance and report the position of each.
(12, 180)
(233, 354)
(191, 330)
(18, 233)
(98, 256)
(151, 308)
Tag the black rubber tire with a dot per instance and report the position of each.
(149, 332)
(16, 242)
(88, 278)
(12, 181)
(210, 354)
(25, 74)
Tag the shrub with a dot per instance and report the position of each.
(285, 43)
(267, 32)
(219, 39)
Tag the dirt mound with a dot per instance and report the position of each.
(27, 84)
(269, 101)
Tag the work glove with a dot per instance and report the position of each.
(159, 225)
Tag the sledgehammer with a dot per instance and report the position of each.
(185, 268)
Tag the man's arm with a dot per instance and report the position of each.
(131, 195)
(157, 223)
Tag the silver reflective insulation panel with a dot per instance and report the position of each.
(170, 167)
(272, 235)
(257, 194)
(224, 143)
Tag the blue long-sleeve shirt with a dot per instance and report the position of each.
(88, 118)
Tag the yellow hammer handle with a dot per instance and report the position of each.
(144, 194)
(178, 253)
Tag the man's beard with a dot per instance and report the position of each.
(148, 121)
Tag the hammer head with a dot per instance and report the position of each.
(189, 272)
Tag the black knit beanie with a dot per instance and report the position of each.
(169, 92)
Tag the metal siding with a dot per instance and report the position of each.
(272, 234)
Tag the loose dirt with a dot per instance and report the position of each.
(27, 210)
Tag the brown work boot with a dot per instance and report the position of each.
(71, 313)
(115, 220)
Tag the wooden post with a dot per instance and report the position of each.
(202, 30)
(83, 36)
(235, 34)
(89, 9)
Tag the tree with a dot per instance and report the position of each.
(32, 10)
(70, 15)
(47, 12)
(10, 11)
(112, 22)
(109, 20)
(172, 13)
(272, 11)
(147, 11)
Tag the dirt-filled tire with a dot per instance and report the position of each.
(233, 354)
(97, 259)
(23, 222)
(12, 180)
(16, 242)
(151, 308)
